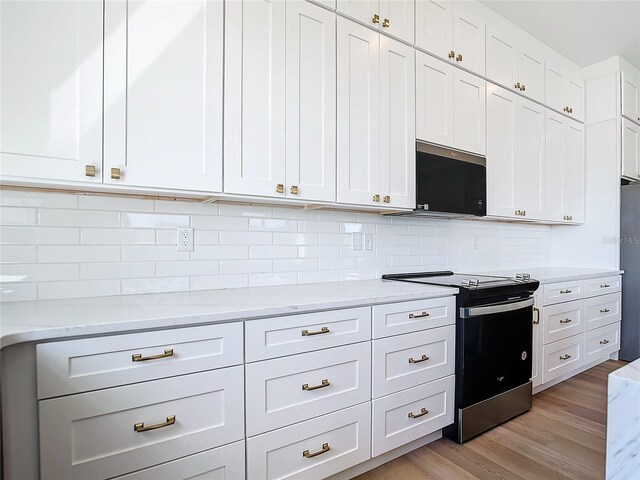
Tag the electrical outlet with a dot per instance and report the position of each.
(368, 241)
(185, 240)
(356, 241)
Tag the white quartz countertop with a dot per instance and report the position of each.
(48, 319)
(558, 274)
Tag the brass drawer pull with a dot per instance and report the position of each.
(137, 357)
(376, 198)
(605, 310)
(459, 57)
(566, 356)
(423, 411)
(295, 190)
(604, 342)
(90, 170)
(386, 23)
(605, 285)
(139, 427)
(307, 388)
(452, 54)
(325, 449)
(565, 291)
(420, 315)
(566, 320)
(424, 358)
(116, 174)
(307, 333)
(387, 199)
(376, 18)
(280, 188)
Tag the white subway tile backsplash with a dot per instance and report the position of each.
(56, 245)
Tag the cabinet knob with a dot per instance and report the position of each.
(116, 174)
(90, 170)
(386, 199)
(452, 54)
(570, 110)
(517, 85)
(376, 18)
(295, 190)
(459, 57)
(376, 198)
(280, 188)
(385, 23)
(523, 88)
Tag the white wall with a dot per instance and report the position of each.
(58, 245)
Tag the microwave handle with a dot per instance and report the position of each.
(499, 308)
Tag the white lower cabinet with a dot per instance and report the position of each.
(405, 416)
(222, 463)
(562, 357)
(603, 310)
(315, 448)
(119, 430)
(562, 320)
(601, 342)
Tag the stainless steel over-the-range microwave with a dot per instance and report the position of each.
(449, 182)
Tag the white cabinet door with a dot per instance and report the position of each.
(573, 171)
(397, 124)
(630, 95)
(434, 100)
(397, 18)
(434, 26)
(358, 150)
(529, 159)
(530, 74)
(469, 97)
(554, 94)
(574, 93)
(554, 166)
(311, 102)
(51, 95)
(630, 150)
(361, 10)
(564, 89)
(254, 100)
(469, 40)
(163, 94)
(502, 109)
(501, 56)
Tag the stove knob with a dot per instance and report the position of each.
(519, 276)
(526, 277)
(474, 282)
(464, 283)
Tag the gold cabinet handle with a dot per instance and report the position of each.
(523, 88)
(307, 333)
(517, 85)
(376, 18)
(605, 310)
(325, 448)
(295, 190)
(604, 342)
(459, 57)
(565, 291)
(90, 170)
(424, 358)
(323, 384)
(566, 356)
(385, 23)
(280, 188)
(139, 427)
(536, 321)
(418, 315)
(524, 213)
(452, 54)
(376, 198)
(566, 320)
(137, 357)
(605, 285)
(423, 412)
(570, 110)
(387, 199)
(116, 174)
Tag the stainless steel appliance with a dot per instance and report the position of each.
(449, 182)
(630, 263)
(493, 347)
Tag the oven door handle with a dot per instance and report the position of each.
(499, 308)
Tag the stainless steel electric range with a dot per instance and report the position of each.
(493, 347)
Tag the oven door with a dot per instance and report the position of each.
(495, 345)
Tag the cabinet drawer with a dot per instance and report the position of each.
(279, 336)
(562, 292)
(408, 360)
(288, 390)
(222, 463)
(601, 286)
(561, 357)
(92, 363)
(93, 435)
(411, 414)
(316, 448)
(601, 342)
(603, 310)
(405, 317)
(562, 320)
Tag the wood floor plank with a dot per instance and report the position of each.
(561, 438)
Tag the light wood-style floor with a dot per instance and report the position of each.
(561, 437)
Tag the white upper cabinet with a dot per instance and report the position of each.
(450, 105)
(254, 100)
(392, 17)
(397, 124)
(310, 102)
(574, 172)
(564, 90)
(451, 32)
(515, 61)
(631, 95)
(358, 75)
(163, 94)
(51, 95)
(630, 150)
(515, 155)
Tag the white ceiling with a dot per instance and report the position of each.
(584, 31)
